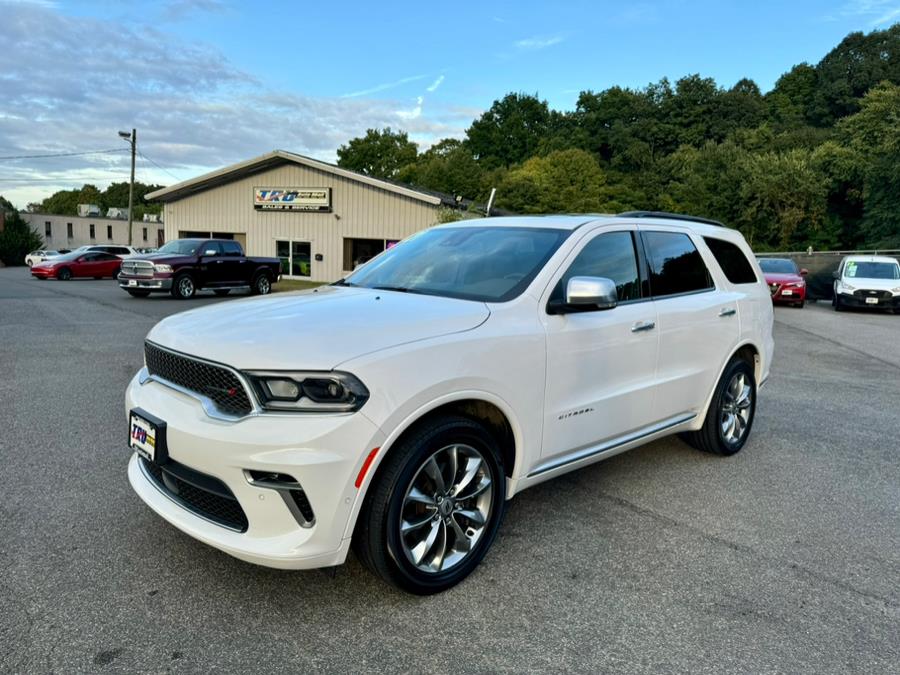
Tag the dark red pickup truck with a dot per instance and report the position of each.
(184, 266)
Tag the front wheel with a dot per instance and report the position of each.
(183, 287)
(731, 411)
(261, 285)
(64, 274)
(434, 508)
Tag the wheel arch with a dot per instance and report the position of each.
(748, 352)
(489, 410)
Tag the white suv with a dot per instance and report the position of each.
(400, 408)
(867, 281)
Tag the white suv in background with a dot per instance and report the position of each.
(867, 281)
(399, 408)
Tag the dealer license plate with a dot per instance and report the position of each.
(143, 436)
(787, 292)
(872, 301)
(132, 282)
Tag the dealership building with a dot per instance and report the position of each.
(321, 220)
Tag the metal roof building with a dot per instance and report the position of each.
(320, 219)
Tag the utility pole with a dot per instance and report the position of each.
(131, 138)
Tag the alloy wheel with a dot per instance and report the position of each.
(736, 402)
(186, 287)
(446, 508)
(263, 286)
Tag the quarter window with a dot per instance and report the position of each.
(675, 264)
(609, 255)
(732, 260)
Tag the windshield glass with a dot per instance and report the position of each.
(778, 266)
(873, 270)
(180, 247)
(491, 264)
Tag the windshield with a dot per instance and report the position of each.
(490, 264)
(778, 265)
(181, 247)
(872, 270)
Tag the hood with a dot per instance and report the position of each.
(162, 257)
(776, 278)
(313, 330)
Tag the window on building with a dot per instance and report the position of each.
(69, 233)
(109, 232)
(48, 229)
(610, 255)
(675, 264)
(732, 260)
(360, 251)
(93, 234)
(145, 234)
(295, 257)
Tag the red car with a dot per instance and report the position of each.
(79, 264)
(785, 280)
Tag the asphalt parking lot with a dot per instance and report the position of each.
(784, 558)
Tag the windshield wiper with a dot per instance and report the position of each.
(342, 282)
(398, 289)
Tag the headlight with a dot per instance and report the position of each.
(796, 284)
(309, 392)
(895, 290)
(846, 286)
(162, 268)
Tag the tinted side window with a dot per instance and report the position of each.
(609, 255)
(675, 264)
(211, 246)
(232, 248)
(107, 256)
(732, 260)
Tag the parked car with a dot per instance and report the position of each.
(184, 266)
(121, 251)
(399, 408)
(785, 280)
(94, 264)
(867, 281)
(39, 256)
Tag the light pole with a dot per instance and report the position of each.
(132, 139)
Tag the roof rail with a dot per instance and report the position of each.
(668, 216)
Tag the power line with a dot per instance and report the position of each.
(66, 154)
(143, 156)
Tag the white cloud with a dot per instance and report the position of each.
(879, 12)
(537, 42)
(434, 85)
(193, 109)
(384, 87)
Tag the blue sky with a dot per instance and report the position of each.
(209, 82)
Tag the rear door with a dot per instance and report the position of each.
(600, 364)
(235, 267)
(698, 323)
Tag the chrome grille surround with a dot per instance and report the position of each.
(137, 268)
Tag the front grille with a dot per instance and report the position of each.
(197, 492)
(137, 268)
(881, 295)
(217, 383)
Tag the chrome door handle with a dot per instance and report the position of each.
(643, 325)
(727, 311)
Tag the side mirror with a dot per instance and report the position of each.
(596, 292)
(211, 251)
(803, 271)
(836, 274)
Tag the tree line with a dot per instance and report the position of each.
(813, 162)
(65, 202)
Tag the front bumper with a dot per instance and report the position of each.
(132, 283)
(792, 294)
(859, 298)
(324, 453)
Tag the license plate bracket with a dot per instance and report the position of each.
(871, 301)
(147, 436)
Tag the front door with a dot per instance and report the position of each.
(601, 365)
(212, 264)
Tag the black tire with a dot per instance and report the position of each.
(801, 304)
(838, 305)
(222, 292)
(711, 437)
(378, 541)
(183, 287)
(261, 284)
(64, 274)
(139, 294)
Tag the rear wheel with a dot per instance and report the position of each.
(433, 510)
(730, 415)
(183, 287)
(64, 274)
(262, 284)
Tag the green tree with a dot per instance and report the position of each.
(449, 167)
(510, 131)
(380, 154)
(6, 206)
(17, 240)
(565, 180)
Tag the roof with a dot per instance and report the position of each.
(280, 157)
(872, 258)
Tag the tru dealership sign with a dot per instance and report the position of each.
(292, 199)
